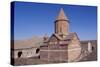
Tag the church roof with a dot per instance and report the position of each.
(61, 15)
(58, 36)
(70, 36)
(67, 37)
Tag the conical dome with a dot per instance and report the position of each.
(61, 15)
(61, 23)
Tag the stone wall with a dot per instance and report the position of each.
(54, 52)
(61, 51)
(25, 53)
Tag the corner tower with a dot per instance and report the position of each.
(61, 23)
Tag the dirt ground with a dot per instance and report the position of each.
(33, 61)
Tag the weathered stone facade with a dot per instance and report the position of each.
(57, 50)
(25, 53)
(62, 45)
(26, 48)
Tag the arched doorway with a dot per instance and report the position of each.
(19, 54)
(92, 48)
(37, 50)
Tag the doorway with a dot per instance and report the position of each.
(19, 54)
(37, 50)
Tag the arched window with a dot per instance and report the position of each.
(60, 30)
(37, 50)
(19, 54)
(39, 57)
(92, 48)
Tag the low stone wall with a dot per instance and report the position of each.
(24, 53)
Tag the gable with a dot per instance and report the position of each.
(53, 38)
(75, 40)
(75, 37)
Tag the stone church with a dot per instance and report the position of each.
(62, 45)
